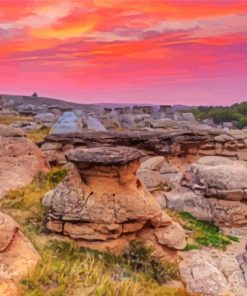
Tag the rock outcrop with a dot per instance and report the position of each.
(20, 159)
(102, 199)
(18, 257)
(223, 182)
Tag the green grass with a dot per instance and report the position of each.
(65, 269)
(25, 205)
(205, 233)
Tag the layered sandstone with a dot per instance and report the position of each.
(102, 199)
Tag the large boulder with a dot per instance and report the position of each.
(201, 274)
(20, 160)
(184, 200)
(45, 117)
(18, 257)
(68, 123)
(217, 177)
(95, 125)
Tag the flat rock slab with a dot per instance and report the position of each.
(119, 155)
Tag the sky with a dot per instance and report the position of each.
(125, 51)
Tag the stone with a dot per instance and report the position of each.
(150, 179)
(45, 117)
(51, 146)
(101, 197)
(217, 176)
(55, 226)
(128, 121)
(118, 155)
(160, 198)
(166, 168)
(92, 231)
(132, 227)
(20, 160)
(188, 201)
(68, 123)
(228, 213)
(172, 236)
(188, 116)
(95, 125)
(18, 257)
(153, 163)
(8, 229)
(201, 275)
(223, 138)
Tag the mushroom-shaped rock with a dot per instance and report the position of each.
(102, 196)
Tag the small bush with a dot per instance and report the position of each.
(140, 258)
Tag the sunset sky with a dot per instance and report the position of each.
(130, 51)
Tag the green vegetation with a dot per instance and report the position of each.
(25, 203)
(202, 233)
(66, 269)
(38, 135)
(236, 113)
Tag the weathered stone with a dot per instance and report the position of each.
(119, 155)
(92, 231)
(55, 226)
(201, 274)
(18, 257)
(188, 201)
(68, 123)
(229, 213)
(95, 125)
(160, 198)
(214, 175)
(132, 227)
(45, 117)
(172, 236)
(20, 160)
(223, 138)
(153, 163)
(51, 146)
(150, 179)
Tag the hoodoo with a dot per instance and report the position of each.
(102, 198)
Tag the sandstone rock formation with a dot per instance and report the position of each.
(17, 256)
(223, 182)
(20, 159)
(102, 199)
